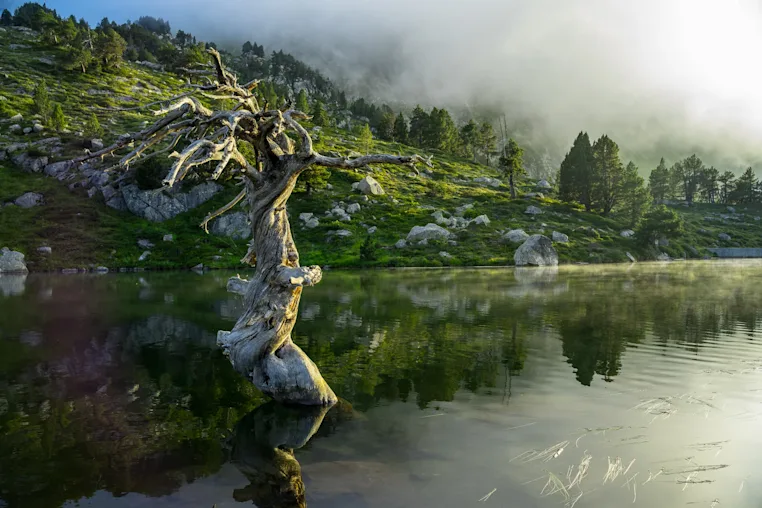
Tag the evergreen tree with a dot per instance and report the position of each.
(635, 197)
(487, 139)
(608, 175)
(469, 135)
(301, 101)
(659, 222)
(727, 181)
(247, 47)
(319, 114)
(342, 101)
(575, 177)
(386, 127)
(709, 184)
(745, 188)
(512, 164)
(688, 172)
(442, 132)
(93, 127)
(659, 182)
(400, 129)
(42, 103)
(419, 125)
(365, 138)
(109, 48)
(58, 120)
(6, 19)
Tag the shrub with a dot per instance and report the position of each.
(369, 249)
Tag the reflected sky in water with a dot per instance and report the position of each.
(604, 386)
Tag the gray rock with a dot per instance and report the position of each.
(95, 145)
(372, 230)
(488, 182)
(538, 195)
(445, 255)
(15, 128)
(17, 118)
(515, 236)
(631, 257)
(353, 208)
(145, 244)
(163, 204)
(430, 231)
(304, 217)
(724, 237)
(544, 184)
(369, 185)
(537, 250)
(101, 269)
(401, 244)
(533, 210)
(38, 127)
(169, 238)
(627, 233)
(559, 237)
(235, 225)
(662, 257)
(29, 200)
(58, 169)
(341, 233)
(481, 220)
(45, 250)
(12, 261)
(461, 210)
(312, 223)
(29, 163)
(199, 267)
(27, 130)
(144, 256)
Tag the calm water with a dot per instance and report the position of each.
(600, 386)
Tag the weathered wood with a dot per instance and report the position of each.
(259, 345)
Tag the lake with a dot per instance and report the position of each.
(591, 386)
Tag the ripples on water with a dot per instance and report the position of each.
(595, 386)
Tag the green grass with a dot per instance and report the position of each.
(84, 232)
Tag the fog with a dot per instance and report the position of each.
(661, 77)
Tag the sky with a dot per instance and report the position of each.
(661, 77)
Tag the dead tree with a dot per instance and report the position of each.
(260, 345)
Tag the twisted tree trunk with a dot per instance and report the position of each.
(260, 345)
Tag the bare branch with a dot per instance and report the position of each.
(205, 223)
(402, 160)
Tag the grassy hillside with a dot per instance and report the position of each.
(83, 232)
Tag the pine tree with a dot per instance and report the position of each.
(607, 176)
(42, 104)
(6, 19)
(727, 180)
(575, 177)
(745, 188)
(442, 132)
(58, 120)
(93, 127)
(709, 184)
(301, 101)
(487, 138)
(419, 125)
(400, 129)
(109, 48)
(386, 127)
(469, 135)
(689, 171)
(659, 222)
(659, 182)
(319, 114)
(635, 197)
(365, 138)
(512, 164)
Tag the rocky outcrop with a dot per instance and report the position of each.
(369, 186)
(162, 204)
(515, 236)
(12, 261)
(235, 225)
(29, 200)
(428, 232)
(536, 251)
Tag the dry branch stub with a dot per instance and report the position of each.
(259, 345)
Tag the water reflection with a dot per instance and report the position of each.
(114, 384)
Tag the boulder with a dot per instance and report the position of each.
(544, 184)
(45, 250)
(29, 163)
(235, 225)
(627, 233)
(145, 244)
(430, 231)
(369, 185)
(12, 261)
(630, 257)
(353, 208)
(17, 118)
(401, 244)
(533, 210)
(312, 223)
(163, 204)
(38, 128)
(15, 128)
(372, 230)
(341, 233)
(559, 237)
(515, 236)
(58, 170)
(537, 250)
(29, 200)
(488, 182)
(27, 130)
(481, 220)
(169, 238)
(662, 257)
(94, 145)
(461, 210)
(724, 237)
(445, 255)
(304, 217)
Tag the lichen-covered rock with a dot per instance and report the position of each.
(430, 231)
(12, 261)
(537, 250)
(29, 163)
(234, 225)
(724, 237)
(58, 170)
(515, 236)
(544, 184)
(481, 220)
(533, 210)
(29, 200)
(489, 182)
(560, 237)
(401, 244)
(353, 208)
(369, 185)
(461, 210)
(163, 204)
